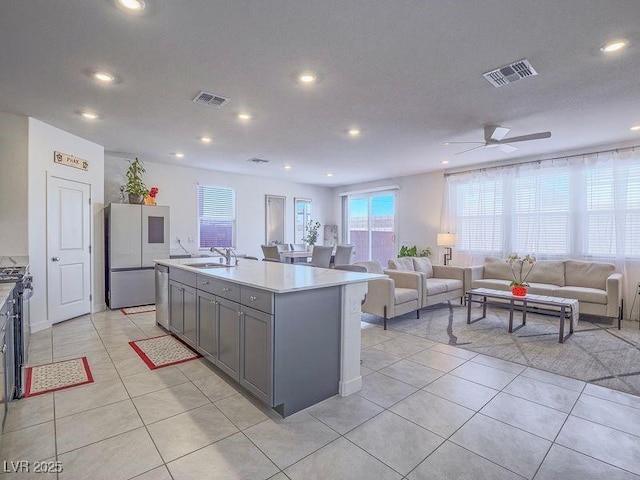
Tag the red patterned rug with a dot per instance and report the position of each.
(57, 376)
(158, 352)
(134, 310)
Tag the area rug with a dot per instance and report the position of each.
(57, 376)
(158, 352)
(134, 310)
(597, 352)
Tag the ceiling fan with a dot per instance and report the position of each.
(494, 138)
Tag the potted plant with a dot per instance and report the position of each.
(312, 232)
(521, 268)
(414, 252)
(135, 187)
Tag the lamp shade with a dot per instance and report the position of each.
(446, 239)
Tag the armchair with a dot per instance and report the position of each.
(393, 296)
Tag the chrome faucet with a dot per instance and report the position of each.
(227, 254)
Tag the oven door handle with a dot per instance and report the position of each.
(28, 288)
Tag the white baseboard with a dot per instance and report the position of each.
(39, 326)
(101, 307)
(349, 387)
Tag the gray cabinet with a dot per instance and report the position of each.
(189, 313)
(176, 307)
(182, 311)
(256, 349)
(207, 325)
(229, 337)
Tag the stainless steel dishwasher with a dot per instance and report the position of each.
(162, 296)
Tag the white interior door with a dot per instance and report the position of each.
(68, 249)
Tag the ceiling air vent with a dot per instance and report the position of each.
(510, 73)
(210, 99)
(258, 160)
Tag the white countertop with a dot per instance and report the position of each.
(15, 261)
(273, 276)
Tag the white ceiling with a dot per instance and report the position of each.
(407, 72)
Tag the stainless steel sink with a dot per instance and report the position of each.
(207, 265)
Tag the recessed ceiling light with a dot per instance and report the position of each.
(287, 167)
(132, 5)
(446, 143)
(444, 162)
(308, 78)
(354, 132)
(329, 174)
(104, 77)
(635, 128)
(613, 46)
(206, 139)
(179, 154)
(90, 115)
(244, 116)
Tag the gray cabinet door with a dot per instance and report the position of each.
(256, 350)
(189, 300)
(208, 326)
(229, 337)
(176, 307)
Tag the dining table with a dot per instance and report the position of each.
(291, 256)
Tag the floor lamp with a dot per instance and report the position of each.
(447, 240)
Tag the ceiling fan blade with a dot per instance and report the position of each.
(470, 149)
(525, 138)
(506, 148)
(495, 132)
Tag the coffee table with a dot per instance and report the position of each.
(565, 308)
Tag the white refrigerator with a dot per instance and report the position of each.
(135, 235)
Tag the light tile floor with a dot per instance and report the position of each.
(426, 411)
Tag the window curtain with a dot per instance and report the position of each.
(584, 208)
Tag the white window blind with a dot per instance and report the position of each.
(216, 216)
(541, 213)
(479, 216)
(585, 207)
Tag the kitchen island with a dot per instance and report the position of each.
(289, 334)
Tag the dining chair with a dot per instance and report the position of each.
(321, 256)
(270, 252)
(283, 247)
(299, 247)
(343, 255)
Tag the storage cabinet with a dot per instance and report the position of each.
(256, 373)
(282, 348)
(207, 328)
(182, 311)
(229, 337)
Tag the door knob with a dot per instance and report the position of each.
(55, 259)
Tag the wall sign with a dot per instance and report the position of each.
(70, 161)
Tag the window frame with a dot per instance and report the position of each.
(199, 218)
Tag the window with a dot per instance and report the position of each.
(541, 213)
(216, 216)
(479, 215)
(585, 207)
(370, 226)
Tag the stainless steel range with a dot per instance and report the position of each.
(21, 294)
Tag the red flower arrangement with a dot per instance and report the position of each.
(153, 192)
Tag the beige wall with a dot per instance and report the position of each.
(13, 184)
(177, 189)
(43, 141)
(419, 207)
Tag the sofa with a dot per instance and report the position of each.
(390, 297)
(440, 283)
(596, 286)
